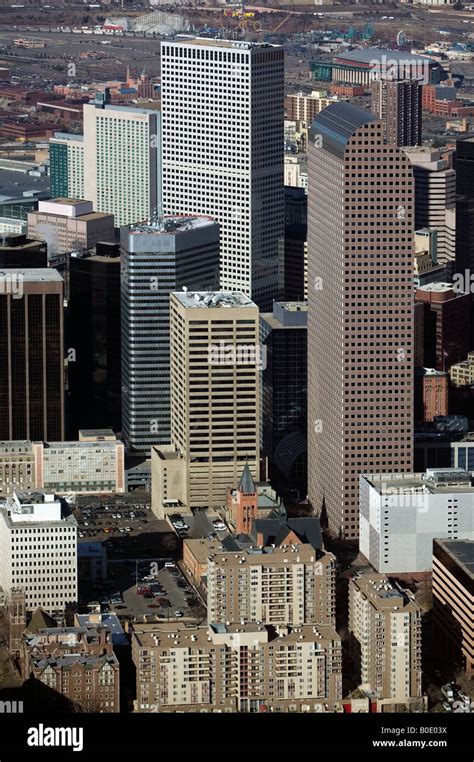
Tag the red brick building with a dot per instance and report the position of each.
(431, 394)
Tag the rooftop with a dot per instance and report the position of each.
(256, 555)
(337, 123)
(213, 299)
(180, 634)
(34, 275)
(171, 224)
(432, 481)
(380, 55)
(230, 44)
(382, 591)
(462, 551)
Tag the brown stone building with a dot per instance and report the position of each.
(431, 394)
(77, 662)
(445, 312)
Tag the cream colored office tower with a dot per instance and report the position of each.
(215, 365)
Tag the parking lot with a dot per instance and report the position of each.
(145, 590)
(98, 519)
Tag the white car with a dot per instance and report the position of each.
(178, 614)
(219, 525)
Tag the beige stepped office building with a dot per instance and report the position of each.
(215, 365)
(222, 107)
(69, 225)
(360, 309)
(292, 584)
(385, 639)
(237, 668)
(435, 198)
(94, 464)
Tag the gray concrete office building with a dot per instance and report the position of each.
(166, 255)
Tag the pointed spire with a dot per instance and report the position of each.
(247, 484)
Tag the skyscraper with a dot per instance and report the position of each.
(214, 387)
(435, 199)
(122, 156)
(464, 205)
(157, 258)
(93, 321)
(284, 409)
(215, 364)
(360, 324)
(31, 355)
(398, 103)
(222, 106)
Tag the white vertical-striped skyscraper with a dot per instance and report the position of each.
(222, 120)
(157, 258)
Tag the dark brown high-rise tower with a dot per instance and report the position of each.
(31, 355)
(398, 103)
(360, 307)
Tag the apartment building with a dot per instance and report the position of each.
(91, 466)
(303, 107)
(222, 107)
(293, 584)
(398, 103)
(237, 668)
(462, 373)
(38, 550)
(68, 224)
(385, 640)
(453, 602)
(401, 515)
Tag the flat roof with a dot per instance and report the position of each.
(216, 43)
(462, 551)
(14, 184)
(172, 224)
(417, 484)
(213, 299)
(35, 275)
